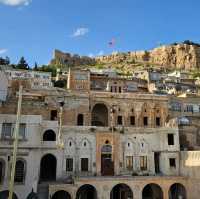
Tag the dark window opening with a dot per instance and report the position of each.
(69, 164)
(49, 135)
(7, 130)
(80, 120)
(157, 121)
(54, 115)
(145, 121)
(157, 162)
(115, 89)
(120, 89)
(121, 191)
(84, 164)
(143, 163)
(19, 171)
(132, 120)
(1, 171)
(172, 162)
(22, 131)
(48, 167)
(99, 115)
(170, 139)
(86, 192)
(119, 120)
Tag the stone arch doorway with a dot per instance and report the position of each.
(152, 191)
(49, 135)
(5, 194)
(86, 192)
(61, 195)
(48, 166)
(177, 191)
(107, 164)
(121, 191)
(100, 115)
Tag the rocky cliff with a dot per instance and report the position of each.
(175, 56)
(181, 56)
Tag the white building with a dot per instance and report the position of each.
(37, 79)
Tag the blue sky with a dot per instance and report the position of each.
(33, 29)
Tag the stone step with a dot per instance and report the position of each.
(43, 191)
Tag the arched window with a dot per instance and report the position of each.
(80, 120)
(49, 135)
(20, 171)
(2, 170)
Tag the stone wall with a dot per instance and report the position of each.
(181, 56)
(68, 59)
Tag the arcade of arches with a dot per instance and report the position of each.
(124, 191)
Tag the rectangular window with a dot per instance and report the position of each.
(84, 164)
(120, 89)
(7, 130)
(170, 139)
(143, 163)
(119, 120)
(1, 171)
(115, 89)
(145, 121)
(189, 108)
(172, 162)
(132, 120)
(129, 163)
(157, 121)
(69, 164)
(54, 115)
(22, 131)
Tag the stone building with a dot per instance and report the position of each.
(117, 145)
(36, 79)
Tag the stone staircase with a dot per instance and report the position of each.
(43, 191)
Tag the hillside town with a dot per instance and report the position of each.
(89, 133)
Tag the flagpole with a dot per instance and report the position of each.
(15, 144)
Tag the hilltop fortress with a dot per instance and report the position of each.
(179, 56)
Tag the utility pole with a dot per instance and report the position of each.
(15, 144)
(60, 142)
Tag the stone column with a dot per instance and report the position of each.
(165, 190)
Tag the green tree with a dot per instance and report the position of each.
(35, 66)
(5, 61)
(22, 64)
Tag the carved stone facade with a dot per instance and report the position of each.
(116, 145)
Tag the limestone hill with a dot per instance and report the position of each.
(184, 55)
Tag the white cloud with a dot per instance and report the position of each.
(101, 52)
(2, 51)
(91, 55)
(80, 32)
(16, 2)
